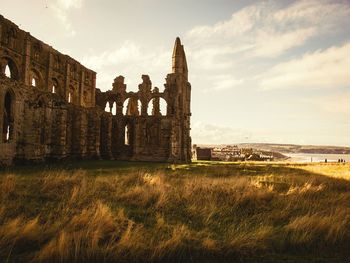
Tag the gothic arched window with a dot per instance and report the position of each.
(9, 68)
(8, 120)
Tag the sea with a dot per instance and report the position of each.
(317, 158)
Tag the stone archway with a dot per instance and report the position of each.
(9, 68)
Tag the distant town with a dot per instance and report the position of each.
(260, 151)
(234, 153)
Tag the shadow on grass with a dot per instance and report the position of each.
(249, 210)
(200, 168)
(92, 167)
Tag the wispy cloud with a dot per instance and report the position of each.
(271, 43)
(62, 9)
(214, 134)
(67, 4)
(264, 30)
(327, 68)
(130, 60)
(267, 26)
(127, 52)
(223, 82)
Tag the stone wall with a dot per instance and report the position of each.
(30, 59)
(50, 108)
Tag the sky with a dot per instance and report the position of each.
(261, 71)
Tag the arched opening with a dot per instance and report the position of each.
(71, 94)
(114, 108)
(127, 135)
(132, 107)
(111, 107)
(8, 120)
(9, 68)
(35, 79)
(125, 106)
(157, 107)
(54, 87)
(107, 108)
(8, 72)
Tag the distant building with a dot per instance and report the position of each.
(204, 154)
(247, 151)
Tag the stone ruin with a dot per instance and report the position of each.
(50, 108)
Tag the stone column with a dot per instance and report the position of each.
(144, 106)
(93, 91)
(49, 72)
(81, 88)
(1, 110)
(67, 79)
(26, 68)
(156, 107)
(106, 136)
(93, 135)
(59, 134)
(0, 34)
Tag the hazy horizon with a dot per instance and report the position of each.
(268, 143)
(261, 71)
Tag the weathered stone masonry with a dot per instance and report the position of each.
(50, 108)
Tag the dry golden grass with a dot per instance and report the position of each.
(186, 213)
(333, 170)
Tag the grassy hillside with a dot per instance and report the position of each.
(292, 148)
(289, 148)
(203, 212)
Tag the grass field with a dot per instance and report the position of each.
(111, 211)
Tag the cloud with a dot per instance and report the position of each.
(267, 27)
(327, 68)
(223, 82)
(62, 9)
(215, 134)
(240, 22)
(67, 4)
(325, 14)
(254, 38)
(273, 44)
(128, 52)
(130, 60)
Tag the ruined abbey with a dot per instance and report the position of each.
(50, 108)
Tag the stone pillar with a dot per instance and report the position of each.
(67, 80)
(79, 133)
(115, 137)
(0, 34)
(106, 136)
(26, 68)
(156, 107)
(1, 109)
(81, 89)
(59, 133)
(93, 92)
(93, 136)
(49, 72)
